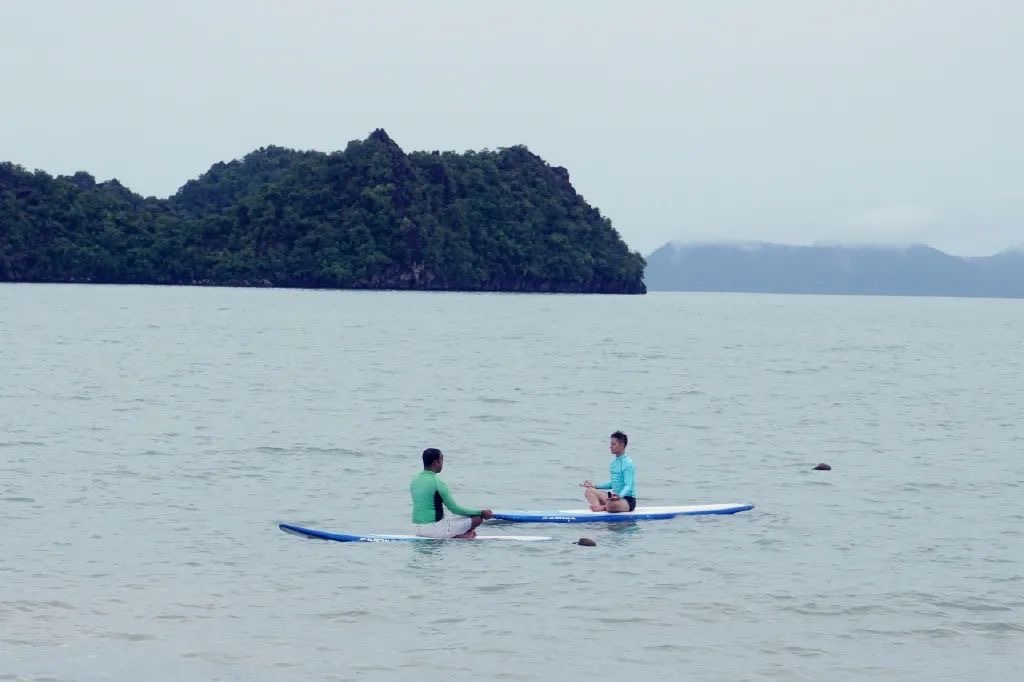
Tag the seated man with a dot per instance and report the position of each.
(622, 486)
(429, 493)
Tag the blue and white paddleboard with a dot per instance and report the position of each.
(638, 514)
(344, 537)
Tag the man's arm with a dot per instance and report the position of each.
(449, 501)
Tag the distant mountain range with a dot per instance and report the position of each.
(914, 270)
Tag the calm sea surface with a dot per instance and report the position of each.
(151, 439)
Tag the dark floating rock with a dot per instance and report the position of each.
(823, 467)
(586, 542)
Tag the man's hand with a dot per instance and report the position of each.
(587, 484)
(487, 514)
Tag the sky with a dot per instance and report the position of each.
(867, 122)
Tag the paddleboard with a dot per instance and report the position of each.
(345, 537)
(638, 514)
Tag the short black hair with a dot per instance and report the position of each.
(621, 437)
(430, 455)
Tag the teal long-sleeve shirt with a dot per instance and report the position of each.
(623, 477)
(429, 492)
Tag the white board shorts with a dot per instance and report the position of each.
(448, 527)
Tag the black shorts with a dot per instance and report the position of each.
(632, 502)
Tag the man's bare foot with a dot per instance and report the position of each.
(597, 507)
(468, 535)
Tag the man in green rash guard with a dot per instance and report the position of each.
(621, 495)
(429, 493)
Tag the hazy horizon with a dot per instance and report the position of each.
(795, 122)
(755, 244)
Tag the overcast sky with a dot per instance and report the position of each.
(767, 120)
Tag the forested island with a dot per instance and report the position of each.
(368, 217)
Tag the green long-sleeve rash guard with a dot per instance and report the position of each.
(429, 492)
